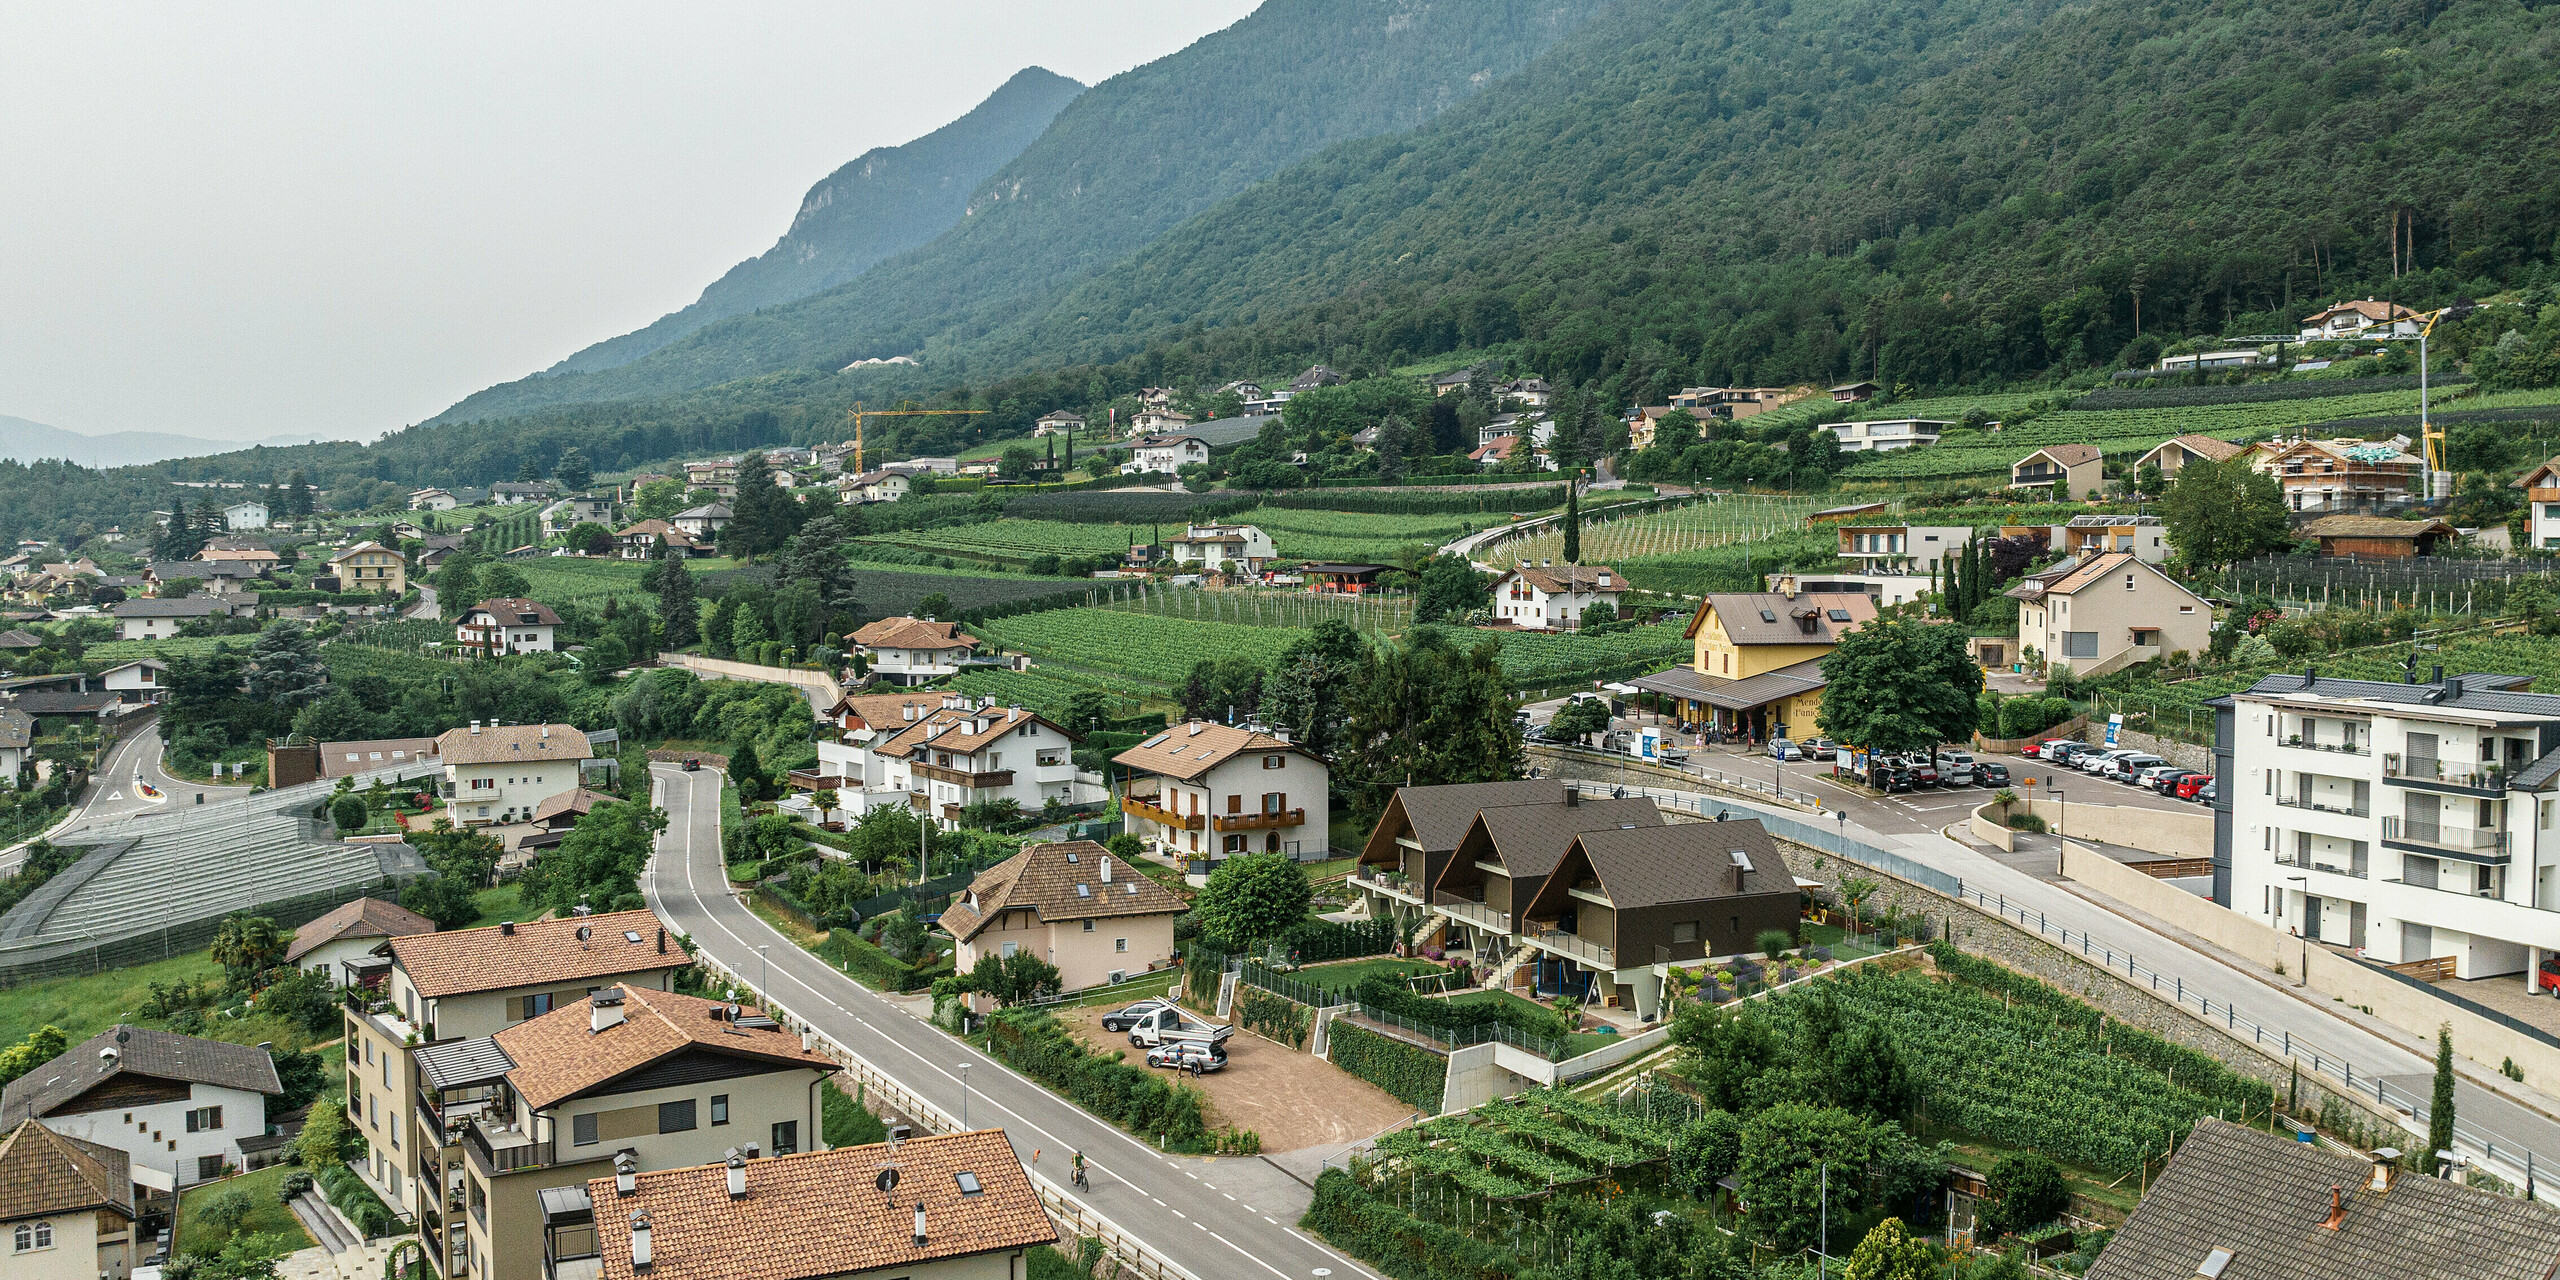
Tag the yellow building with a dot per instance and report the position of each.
(1756, 659)
(371, 566)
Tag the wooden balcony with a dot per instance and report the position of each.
(1144, 807)
(962, 777)
(1261, 821)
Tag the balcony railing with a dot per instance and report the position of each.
(963, 777)
(2313, 863)
(504, 1150)
(1261, 821)
(2452, 839)
(1590, 953)
(2299, 802)
(1145, 807)
(2299, 743)
(1479, 914)
(1392, 882)
(2400, 768)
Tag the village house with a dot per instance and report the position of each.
(66, 1207)
(1316, 376)
(1072, 904)
(243, 516)
(1164, 455)
(294, 760)
(1206, 792)
(1223, 548)
(2105, 612)
(1059, 423)
(969, 751)
(2541, 488)
(2323, 475)
(2146, 537)
(2380, 536)
(1536, 393)
(568, 513)
(846, 763)
(1756, 666)
(157, 619)
(371, 566)
(1551, 597)
(2069, 470)
(140, 682)
(1735, 403)
(906, 650)
(1159, 422)
(964, 1210)
(500, 773)
(2171, 456)
(2365, 318)
(433, 500)
(177, 1106)
(646, 539)
(510, 493)
(702, 522)
(1496, 869)
(1623, 903)
(17, 744)
(341, 943)
(1902, 549)
(218, 577)
(1854, 393)
(1884, 435)
(496, 628)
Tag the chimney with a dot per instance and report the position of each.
(626, 1170)
(737, 1175)
(919, 1224)
(754, 1152)
(546, 731)
(640, 1257)
(1106, 868)
(475, 726)
(604, 1009)
(662, 940)
(2386, 1170)
(506, 928)
(2337, 1209)
(1787, 586)
(1573, 797)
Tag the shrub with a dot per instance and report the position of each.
(2027, 822)
(1273, 1016)
(227, 1209)
(1398, 1244)
(1411, 1073)
(2026, 1190)
(869, 965)
(1134, 1098)
(347, 812)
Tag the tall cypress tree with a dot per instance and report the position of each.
(679, 615)
(2440, 1106)
(1572, 521)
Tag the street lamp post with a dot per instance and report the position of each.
(2062, 810)
(764, 967)
(2304, 979)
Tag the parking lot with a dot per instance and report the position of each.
(1926, 809)
(1292, 1099)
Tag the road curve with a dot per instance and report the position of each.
(1217, 1218)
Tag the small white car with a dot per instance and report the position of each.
(1191, 1056)
(1784, 749)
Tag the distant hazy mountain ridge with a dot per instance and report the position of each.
(24, 441)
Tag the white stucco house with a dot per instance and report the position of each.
(502, 773)
(1552, 597)
(240, 516)
(178, 1106)
(1164, 454)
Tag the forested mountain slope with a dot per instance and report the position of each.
(1740, 191)
(888, 200)
(1127, 160)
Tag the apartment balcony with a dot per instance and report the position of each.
(1589, 954)
(963, 777)
(2315, 806)
(1472, 912)
(1261, 821)
(498, 1150)
(2298, 743)
(2465, 843)
(2320, 862)
(2428, 773)
(1145, 807)
(813, 780)
(1394, 884)
(448, 1116)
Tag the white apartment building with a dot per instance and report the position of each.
(912, 650)
(2407, 822)
(1204, 791)
(241, 516)
(971, 751)
(496, 628)
(1902, 549)
(1886, 434)
(1238, 548)
(848, 763)
(1164, 455)
(178, 1106)
(1547, 596)
(501, 773)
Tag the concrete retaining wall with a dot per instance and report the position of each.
(2411, 1008)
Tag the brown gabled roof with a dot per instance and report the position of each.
(912, 633)
(1067, 880)
(1438, 817)
(44, 1172)
(1656, 866)
(2063, 455)
(1528, 839)
(363, 548)
(2366, 307)
(577, 800)
(512, 744)
(2268, 1199)
(955, 729)
(1740, 612)
(820, 1214)
(886, 710)
(2528, 479)
(2376, 527)
(161, 1055)
(362, 918)
(537, 952)
(1563, 578)
(1188, 750)
(559, 1056)
(2202, 446)
(512, 611)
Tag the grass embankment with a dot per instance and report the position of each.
(267, 1217)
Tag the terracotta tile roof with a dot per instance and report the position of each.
(885, 711)
(577, 800)
(510, 611)
(161, 1055)
(2266, 1198)
(912, 633)
(1068, 880)
(460, 961)
(2366, 307)
(1193, 748)
(1741, 611)
(45, 1172)
(2062, 455)
(512, 744)
(2375, 527)
(2204, 447)
(820, 1213)
(559, 1056)
(362, 918)
(1559, 579)
(955, 729)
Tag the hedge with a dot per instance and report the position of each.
(1392, 996)
(869, 965)
(341, 1187)
(1274, 1017)
(1356, 1221)
(1144, 1103)
(1413, 1074)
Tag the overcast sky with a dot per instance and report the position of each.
(236, 220)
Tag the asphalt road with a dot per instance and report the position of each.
(1216, 1217)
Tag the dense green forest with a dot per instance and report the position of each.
(1123, 163)
(885, 201)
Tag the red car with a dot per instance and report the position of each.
(2189, 785)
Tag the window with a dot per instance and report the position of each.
(1011, 947)
(1275, 802)
(1120, 945)
(32, 1236)
(1235, 844)
(968, 1182)
(208, 1168)
(675, 1117)
(1685, 931)
(582, 1130)
(786, 1137)
(2079, 644)
(1274, 762)
(2128, 582)
(537, 1004)
(1235, 803)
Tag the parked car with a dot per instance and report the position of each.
(1894, 777)
(2045, 750)
(2096, 762)
(1785, 749)
(1991, 773)
(1923, 773)
(1956, 767)
(2205, 793)
(2194, 785)
(2128, 769)
(1191, 1056)
(1123, 1019)
(1668, 754)
(1820, 748)
(2151, 774)
(1166, 1025)
(2164, 780)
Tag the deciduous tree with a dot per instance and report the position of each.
(1899, 685)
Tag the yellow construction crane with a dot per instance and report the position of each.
(858, 413)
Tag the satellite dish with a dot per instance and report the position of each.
(585, 933)
(123, 1035)
(887, 1181)
(734, 1011)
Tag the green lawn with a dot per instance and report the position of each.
(506, 902)
(1580, 1042)
(1347, 974)
(87, 1004)
(270, 1217)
